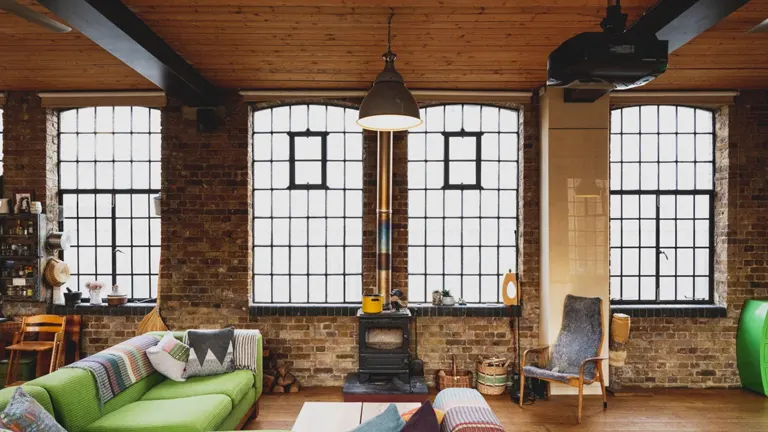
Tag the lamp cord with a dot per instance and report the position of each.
(389, 30)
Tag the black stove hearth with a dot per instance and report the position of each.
(384, 361)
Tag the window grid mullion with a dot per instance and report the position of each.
(698, 189)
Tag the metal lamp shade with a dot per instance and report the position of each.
(389, 105)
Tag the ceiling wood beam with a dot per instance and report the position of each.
(679, 21)
(114, 27)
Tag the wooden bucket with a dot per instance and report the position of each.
(492, 375)
(453, 378)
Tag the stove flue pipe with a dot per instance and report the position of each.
(384, 218)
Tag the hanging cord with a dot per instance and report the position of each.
(389, 30)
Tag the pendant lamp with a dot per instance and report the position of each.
(389, 105)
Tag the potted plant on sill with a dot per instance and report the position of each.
(448, 299)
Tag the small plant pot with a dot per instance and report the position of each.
(449, 301)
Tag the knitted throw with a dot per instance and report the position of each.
(119, 367)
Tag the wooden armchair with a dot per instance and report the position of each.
(575, 357)
(37, 325)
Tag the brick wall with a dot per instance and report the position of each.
(101, 332)
(206, 249)
(206, 222)
(324, 349)
(30, 162)
(676, 352)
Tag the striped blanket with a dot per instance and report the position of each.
(117, 368)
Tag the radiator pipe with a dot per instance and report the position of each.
(384, 218)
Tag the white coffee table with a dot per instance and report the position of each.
(340, 416)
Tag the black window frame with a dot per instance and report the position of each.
(292, 159)
(658, 194)
(462, 190)
(113, 193)
(309, 189)
(447, 160)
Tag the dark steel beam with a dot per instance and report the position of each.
(679, 21)
(118, 30)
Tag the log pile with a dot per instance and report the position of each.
(278, 377)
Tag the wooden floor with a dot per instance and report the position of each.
(667, 410)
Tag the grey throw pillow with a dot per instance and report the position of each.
(211, 352)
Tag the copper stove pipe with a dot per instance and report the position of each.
(384, 218)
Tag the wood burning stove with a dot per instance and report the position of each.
(384, 344)
(384, 361)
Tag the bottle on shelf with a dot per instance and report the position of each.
(30, 228)
(19, 229)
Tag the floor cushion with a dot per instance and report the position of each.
(192, 414)
(234, 384)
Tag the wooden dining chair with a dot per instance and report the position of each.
(575, 357)
(23, 341)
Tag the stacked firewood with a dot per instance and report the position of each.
(278, 377)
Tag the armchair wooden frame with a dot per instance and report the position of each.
(577, 382)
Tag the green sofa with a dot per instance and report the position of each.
(215, 403)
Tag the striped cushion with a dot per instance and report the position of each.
(174, 347)
(246, 349)
(169, 357)
(466, 411)
(471, 419)
(452, 397)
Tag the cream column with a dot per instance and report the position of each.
(574, 212)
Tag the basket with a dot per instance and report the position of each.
(492, 375)
(453, 378)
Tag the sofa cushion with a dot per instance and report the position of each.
(234, 385)
(211, 352)
(39, 393)
(239, 411)
(191, 414)
(24, 413)
(74, 413)
(169, 357)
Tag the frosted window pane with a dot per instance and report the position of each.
(308, 148)
(435, 119)
(685, 147)
(308, 173)
(462, 148)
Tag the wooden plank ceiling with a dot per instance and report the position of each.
(336, 44)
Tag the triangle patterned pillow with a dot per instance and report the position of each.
(211, 352)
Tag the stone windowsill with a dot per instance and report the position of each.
(671, 311)
(128, 309)
(320, 310)
(350, 310)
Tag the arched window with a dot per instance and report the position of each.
(462, 201)
(662, 204)
(307, 205)
(109, 172)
